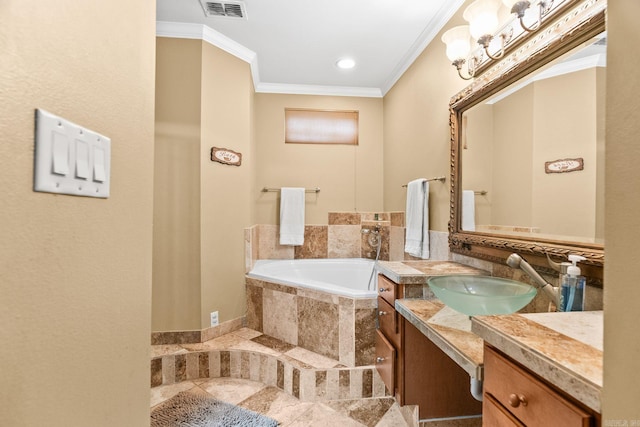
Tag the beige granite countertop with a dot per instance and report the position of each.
(563, 348)
(447, 329)
(417, 272)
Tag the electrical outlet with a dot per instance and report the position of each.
(214, 318)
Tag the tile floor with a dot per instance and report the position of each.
(286, 409)
(271, 401)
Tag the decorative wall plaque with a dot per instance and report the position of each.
(226, 156)
(564, 165)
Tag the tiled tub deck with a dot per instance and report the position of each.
(335, 326)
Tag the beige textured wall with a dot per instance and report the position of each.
(350, 177)
(601, 104)
(227, 90)
(75, 272)
(622, 293)
(477, 158)
(176, 219)
(513, 159)
(573, 194)
(416, 129)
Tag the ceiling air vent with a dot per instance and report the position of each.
(225, 9)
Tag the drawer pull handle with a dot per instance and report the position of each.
(515, 400)
(379, 359)
(382, 290)
(382, 313)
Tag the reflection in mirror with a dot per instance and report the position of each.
(533, 154)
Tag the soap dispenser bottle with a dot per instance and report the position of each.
(573, 287)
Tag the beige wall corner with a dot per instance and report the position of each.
(204, 100)
(76, 271)
(622, 293)
(176, 199)
(416, 129)
(227, 93)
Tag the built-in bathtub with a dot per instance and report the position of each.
(323, 305)
(341, 276)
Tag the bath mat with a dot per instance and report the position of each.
(192, 410)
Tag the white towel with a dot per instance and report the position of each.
(291, 216)
(468, 210)
(417, 218)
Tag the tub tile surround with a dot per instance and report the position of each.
(334, 326)
(340, 238)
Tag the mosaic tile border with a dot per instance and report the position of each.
(306, 384)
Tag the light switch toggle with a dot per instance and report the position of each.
(60, 153)
(99, 174)
(82, 160)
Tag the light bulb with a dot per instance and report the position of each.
(458, 42)
(482, 16)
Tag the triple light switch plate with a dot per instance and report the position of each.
(70, 159)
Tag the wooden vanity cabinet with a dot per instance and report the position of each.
(414, 369)
(513, 396)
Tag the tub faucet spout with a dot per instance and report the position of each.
(516, 261)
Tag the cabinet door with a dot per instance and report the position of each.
(494, 415)
(527, 397)
(386, 361)
(388, 321)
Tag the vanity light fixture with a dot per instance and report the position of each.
(485, 27)
(345, 63)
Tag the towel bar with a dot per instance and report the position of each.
(440, 178)
(306, 190)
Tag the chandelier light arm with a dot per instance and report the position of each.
(544, 6)
(505, 37)
(458, 63)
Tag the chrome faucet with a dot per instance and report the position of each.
(516, 261)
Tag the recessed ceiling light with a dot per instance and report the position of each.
(346, 63)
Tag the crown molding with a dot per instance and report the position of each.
(432, 29)
(199, 31)
(293, 89)
(213, 37)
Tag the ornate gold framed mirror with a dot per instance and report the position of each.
(556, 208)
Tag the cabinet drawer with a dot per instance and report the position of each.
(494, 415)
(388, 321)
(386, 361)
(387, 289)
(527, 397)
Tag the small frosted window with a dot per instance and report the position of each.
(320, 127)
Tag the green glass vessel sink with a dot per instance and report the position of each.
(481, 295)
